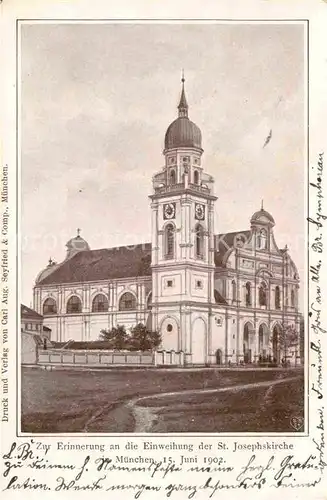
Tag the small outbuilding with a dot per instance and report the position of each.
(34, 335)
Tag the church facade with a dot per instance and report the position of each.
(219, 298)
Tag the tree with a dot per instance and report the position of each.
(117, 337)
(142, 339)
(286, 338)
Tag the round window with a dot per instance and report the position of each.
(169, 328)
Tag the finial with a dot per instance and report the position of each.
(261, 204)
(78, 231)
(50, 262)
(183, 106)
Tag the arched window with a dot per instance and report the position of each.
(199, 242)
(262, 239)
(172, 177)
(263, 294)
(196, 177)
(74, 305)
(49, 307)
(100, 303)
(292, 298)
(127, 302)
(248, 298)
(169, 241)
(149, 301)
(277, 297)
(234, 290)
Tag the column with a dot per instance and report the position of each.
(61, 305)
(111, 304)
(85, 328)
(211, 238)
(154, 227)
(239, 340)
(184, 235)
(86, 298)
(115, 303)
(226, 339)
(228, 290)
(143, 302)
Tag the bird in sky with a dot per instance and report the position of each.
(268, 138)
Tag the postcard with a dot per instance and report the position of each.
(163, 233)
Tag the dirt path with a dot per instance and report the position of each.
(145, 416)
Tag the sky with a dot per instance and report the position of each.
(96, 100)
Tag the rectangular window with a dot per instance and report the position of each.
(199, 284)
(170, 283)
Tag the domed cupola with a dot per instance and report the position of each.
(262, 224)
(52, 266)
(75, 245)
(182, 132)
(262, 217)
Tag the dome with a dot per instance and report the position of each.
(262, 216)
(183, 133)
(52, 265)
(76, 244)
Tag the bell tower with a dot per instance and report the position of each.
(182, 235)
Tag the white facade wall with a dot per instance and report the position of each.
(87, 324)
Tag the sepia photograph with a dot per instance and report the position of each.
(163, 200)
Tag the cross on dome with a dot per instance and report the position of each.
(183, 106)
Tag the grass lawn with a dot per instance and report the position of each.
(83, 401)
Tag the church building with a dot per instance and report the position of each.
(219, 298)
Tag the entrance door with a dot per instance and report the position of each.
(199, 342)
(219, 356)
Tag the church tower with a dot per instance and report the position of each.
(183, 241)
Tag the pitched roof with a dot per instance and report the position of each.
(225, 241)
(123, 262)
(103, 264)
(28, 313)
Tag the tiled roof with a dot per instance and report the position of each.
(226, 241)
(123, 262)
(103, 264)
(28, 313)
